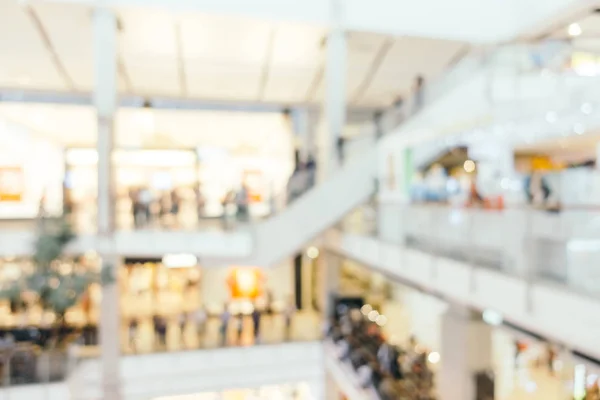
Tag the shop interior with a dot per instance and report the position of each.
(177, 293)
(184, 162)
(525, 365)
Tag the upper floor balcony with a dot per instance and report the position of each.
(535, 267)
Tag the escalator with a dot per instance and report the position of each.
(317, 210)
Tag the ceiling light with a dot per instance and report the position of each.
(381, 320)
(469, 166)
(551, 117)
(366, 309)
(180, 261)
(434, 357)
(312, 252)
(586, 108)
(575, 30)
(373, 315)
(492, 317)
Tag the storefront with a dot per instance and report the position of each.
(31, 173)
(168, 287)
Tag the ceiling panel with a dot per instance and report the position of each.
(75, 51)
(288, 85)
(225, 81)
(408, 58)
(24, 60)
(148, 50)
(224, 40)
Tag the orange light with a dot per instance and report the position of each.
(245, 283)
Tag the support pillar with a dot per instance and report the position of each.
(329, 277)
(335, 97)
(105, 101)
(466, 351)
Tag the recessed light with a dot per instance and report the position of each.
(574, 30)
(587, 108)
(551, 117)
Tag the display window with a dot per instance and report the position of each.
(31, 174)
(148, 287)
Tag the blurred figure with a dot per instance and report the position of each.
(182, 324)
(377, 121)
(201, 318)
(133, 329)
(160, 331)
(311, 169)
(288, 313)
(225, 317)
(200, 201)
(256, 321)
(227, 202)
(175, 203)
(418, 92)
(340, 145)
(243, 202)
(145, 201)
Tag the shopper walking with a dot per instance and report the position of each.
(182, 325)
(225, 317)
(256, 315)
(133, 329)
(201, 318)
(340, 145)
(243, 202)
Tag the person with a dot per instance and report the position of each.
(160, 331)
(175, 203)
(201, 318)
(418, 92)
(133, 328)
(256, 321)
(200, 202)
(311, 169)
(550, 357)
(182, 324)
(288, 313)
(224, 324)
(240, 328)
(340, 144)
(145, 201)
(243, 200)
(377, 121)
(226, 202)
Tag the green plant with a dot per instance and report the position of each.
(56, 285)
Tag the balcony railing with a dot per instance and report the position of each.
(535, 244)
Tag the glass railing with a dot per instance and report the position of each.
(558, 246)
(28, 357)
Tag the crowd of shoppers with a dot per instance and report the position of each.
(395, 373)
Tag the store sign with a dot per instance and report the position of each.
(11, 184)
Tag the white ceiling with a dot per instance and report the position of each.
(207, 56)
(267, 134)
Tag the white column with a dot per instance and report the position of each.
(466, 349)
(329, 265)
(335, 97)
(105, 100)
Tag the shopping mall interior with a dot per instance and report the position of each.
(299, 200)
